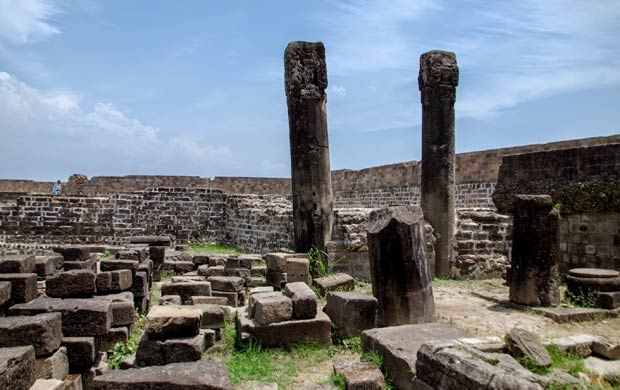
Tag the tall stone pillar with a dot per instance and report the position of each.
(401, 277)
(305, 82)
(534, 277)
(437, 80)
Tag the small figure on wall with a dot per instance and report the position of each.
(57, 188)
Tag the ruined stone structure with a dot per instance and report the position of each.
(306, 80)
(535, 273)
(401, 276)
(438, 78)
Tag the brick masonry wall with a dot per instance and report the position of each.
(590, 240)
(352, 188)
(26, 186)
(181, 212)
(263, 223)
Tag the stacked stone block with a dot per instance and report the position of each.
(276, 318)
(173, 335)
(18, 282)
(287, 267)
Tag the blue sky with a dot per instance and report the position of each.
(122, 87)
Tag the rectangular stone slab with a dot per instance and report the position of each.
(186, 290)
(42, 331)
(55, 366)
(113, 281)
(140, 286)
(173, 321)
(226, 283)
(17, 368)
(81, 352)
(304, 300)
(399, 345)
(117, 264)
(23, 287)
(204, 300)
(45, 265)
(200, 375)
(5, 292)
(73, 253)
(212, 316)
(287, 332)
(123, 309)
(71, 284)
(17, 264)
(80, 317)
(173, 350)
(232, 298)
(89, 264)
(351, 312)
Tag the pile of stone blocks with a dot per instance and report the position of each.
(173, 335)
(283, 318)
(32, 354)
(283, 268)
(179, 262)
(93, 300)
(484, 363)
(229, 287)
(18, 282)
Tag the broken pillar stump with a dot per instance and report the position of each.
(535, 275)
(401, 278)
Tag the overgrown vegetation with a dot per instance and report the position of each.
(252, 362)
(124, 349)
(593, 197)
(568, 362)
(319, 262)
(584, 299)
(203, 247)
(337, 380)
(107, 254)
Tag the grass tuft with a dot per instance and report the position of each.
(124, 349)
(203, 247)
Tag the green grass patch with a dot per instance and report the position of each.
(337, 380)
(124, 349)
(252, 362)
(106, 255)
(203, 247)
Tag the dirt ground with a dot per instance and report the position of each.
(454, 303)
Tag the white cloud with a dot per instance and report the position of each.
(508, 52)
(51, 132)
(25, 21)
(339, 90)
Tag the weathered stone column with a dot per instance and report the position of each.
(305, 82)
(437, 80)
(401, 278)
(534, 277)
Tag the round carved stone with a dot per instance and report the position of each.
(575, 284)
(593, 273)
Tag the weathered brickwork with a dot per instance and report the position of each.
(257, 223)
(475, 172)
(483, 240)
(181, 212)
(590, 240)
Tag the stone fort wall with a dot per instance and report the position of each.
(386, 185)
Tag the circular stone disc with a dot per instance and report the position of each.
(593, 273)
